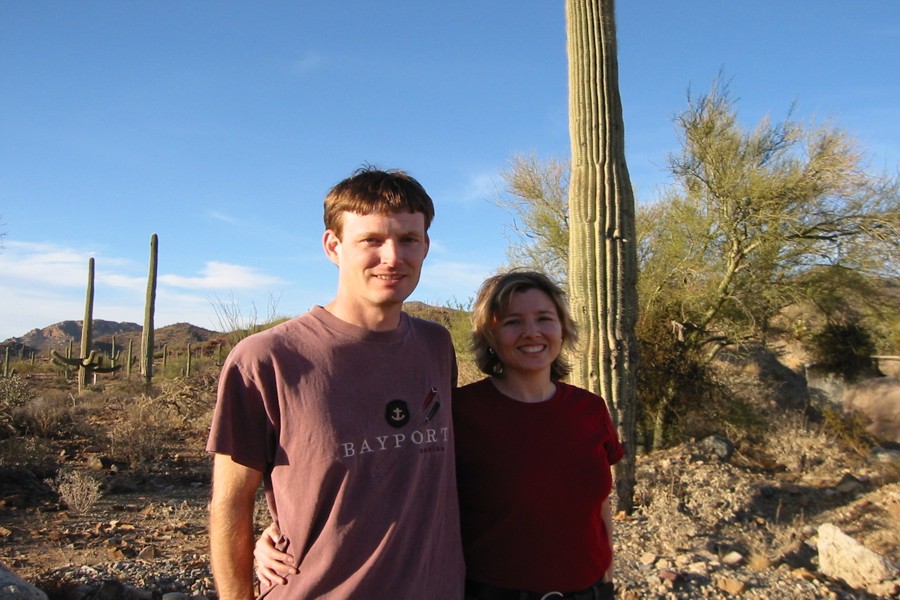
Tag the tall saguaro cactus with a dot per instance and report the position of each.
(602, 241)
(87, 326)
(149, 309)
(90, 362)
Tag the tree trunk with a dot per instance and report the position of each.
(602, 240)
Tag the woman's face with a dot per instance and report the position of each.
(529, 336)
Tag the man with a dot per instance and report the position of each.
(344, 414)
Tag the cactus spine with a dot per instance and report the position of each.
(149, 308)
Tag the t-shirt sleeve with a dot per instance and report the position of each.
(241, 426)
(614, 449)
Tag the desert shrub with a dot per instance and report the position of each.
(14, 393)
(800, 445)
(53, 414)
(678, 396)
(141, 436)
(850, 428)
(78, 491)
(844, 349)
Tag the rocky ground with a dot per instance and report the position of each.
(710, 524)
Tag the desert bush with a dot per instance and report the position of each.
(849, 427)
(78, 491)
(14, 393)
(801, 445)
(844, 349)
(141, 435)
(53, 414)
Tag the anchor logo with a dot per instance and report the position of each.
(396, 413)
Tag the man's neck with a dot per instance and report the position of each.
(372, 318)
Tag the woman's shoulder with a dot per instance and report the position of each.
(475, 388)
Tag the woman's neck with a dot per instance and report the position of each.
(525, 389)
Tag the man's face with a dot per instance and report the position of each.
(379, 256)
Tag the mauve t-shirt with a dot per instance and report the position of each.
(353, 430)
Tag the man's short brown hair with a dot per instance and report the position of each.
(370, 190)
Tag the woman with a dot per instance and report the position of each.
(533, 456)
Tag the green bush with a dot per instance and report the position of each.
(14, 393)
(845, 350)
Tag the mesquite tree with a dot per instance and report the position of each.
(602, 240)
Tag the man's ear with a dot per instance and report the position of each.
(331, 243)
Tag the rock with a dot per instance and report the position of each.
(15, 588)
(718, 446)
(147, 553)
(848, 485)
(731, 585)
(111, 590)
(842, 557)
(732, 559)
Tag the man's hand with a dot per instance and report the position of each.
(272, 566)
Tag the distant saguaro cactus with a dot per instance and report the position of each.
(149, 308)
(90, 362)
(7, 372)
(87, 326)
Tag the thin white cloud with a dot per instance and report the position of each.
(44, 263)
(222, 276)
(220, 216)
(311, 61)
(446, 281)
(482, 186)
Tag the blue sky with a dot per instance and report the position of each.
(220, 125)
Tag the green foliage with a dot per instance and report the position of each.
(537, 194)
(848, 428)
(14, 393)
(674, 383)
(844, 349)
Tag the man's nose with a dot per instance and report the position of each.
(389, 253)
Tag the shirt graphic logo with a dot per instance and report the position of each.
(396, 413)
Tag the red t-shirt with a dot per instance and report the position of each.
(532, 479)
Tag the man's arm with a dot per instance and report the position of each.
(231, 527)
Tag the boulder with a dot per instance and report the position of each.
(842, 557)
(16, 588)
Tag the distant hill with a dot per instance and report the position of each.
(58, 336)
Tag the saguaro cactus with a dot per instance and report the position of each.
(602, 240)
(87, 326)
(7, 372)
(149, 308)
(90, 362)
